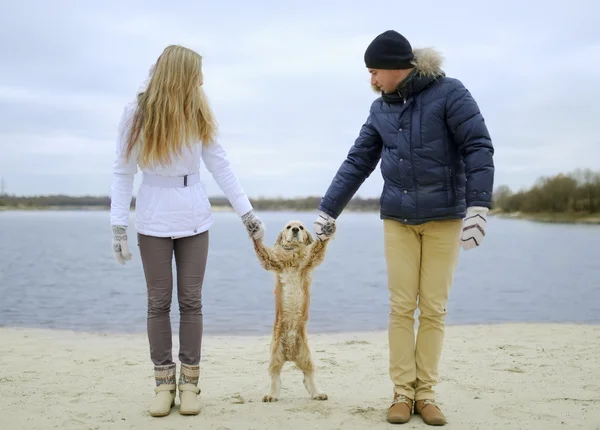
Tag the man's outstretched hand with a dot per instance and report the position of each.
(324, 226)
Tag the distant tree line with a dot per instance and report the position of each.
(103, 202)
(576, 192)
(57, 200)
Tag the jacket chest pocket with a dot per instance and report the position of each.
(409, 119)
(415, 128)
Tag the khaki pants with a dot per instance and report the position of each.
(420, 263)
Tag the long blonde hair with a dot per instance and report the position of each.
(173, 112)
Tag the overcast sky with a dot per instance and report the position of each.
(288, 83)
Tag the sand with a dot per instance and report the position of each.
(492, 377)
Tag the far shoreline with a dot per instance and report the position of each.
(550, 217)
(554, 218)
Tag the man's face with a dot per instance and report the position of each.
(386, 80)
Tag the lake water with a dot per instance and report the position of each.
(57, 271)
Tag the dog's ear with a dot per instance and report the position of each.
(308, 239)
(279, 238)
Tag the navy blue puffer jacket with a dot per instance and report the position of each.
(435, 150)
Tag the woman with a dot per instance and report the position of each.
(167, 131)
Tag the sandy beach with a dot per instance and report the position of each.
(513, 376)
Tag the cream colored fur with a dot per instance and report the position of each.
(293, 258)
(428, 62)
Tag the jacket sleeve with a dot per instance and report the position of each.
(470, 134)
(124, 170)
(360, 162)
(217, 163)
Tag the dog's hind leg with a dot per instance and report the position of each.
(305, 363)
(275, 366)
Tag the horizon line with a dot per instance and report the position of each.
(219, 196)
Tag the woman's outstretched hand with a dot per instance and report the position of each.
(254, 225)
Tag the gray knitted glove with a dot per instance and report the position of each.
(120, 246)
(254, 225)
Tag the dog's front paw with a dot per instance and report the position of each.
(269, 398)
(320, 396)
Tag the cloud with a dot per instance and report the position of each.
(288, 84)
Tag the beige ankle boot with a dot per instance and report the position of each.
(164, 398)
(188, 390)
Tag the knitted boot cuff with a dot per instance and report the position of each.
(189, 374)
(164, 374)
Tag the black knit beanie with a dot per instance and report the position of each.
(389, 50)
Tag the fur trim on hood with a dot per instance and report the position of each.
(428, 62)
(428, 68)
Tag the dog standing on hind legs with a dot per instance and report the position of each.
(293, 258)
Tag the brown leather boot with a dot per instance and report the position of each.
(430, 412)
(400, 410)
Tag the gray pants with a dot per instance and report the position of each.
(190, 259)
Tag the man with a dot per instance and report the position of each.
(437, 164)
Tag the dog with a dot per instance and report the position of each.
(293, 259)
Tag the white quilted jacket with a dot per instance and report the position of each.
(171, 212)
